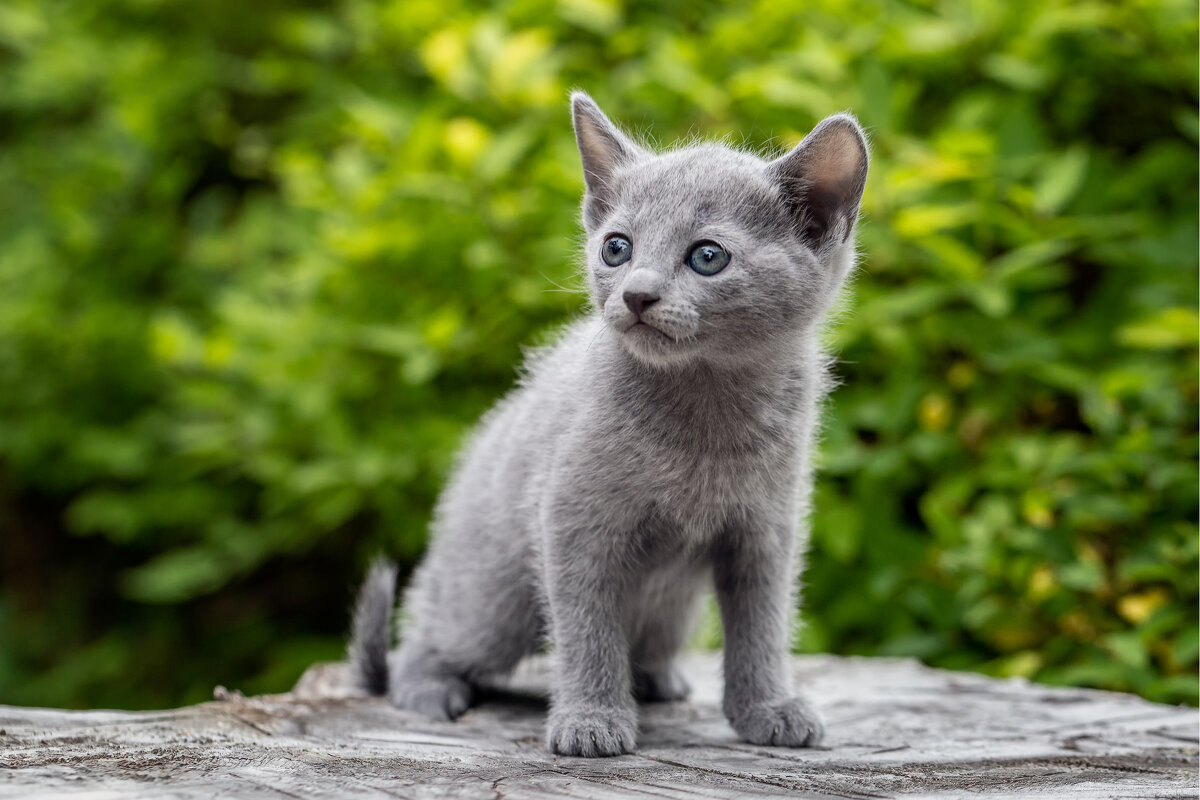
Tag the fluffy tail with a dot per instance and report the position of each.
(371, 630)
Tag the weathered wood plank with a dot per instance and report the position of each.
(895, 728)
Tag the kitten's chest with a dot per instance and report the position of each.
(694, 465)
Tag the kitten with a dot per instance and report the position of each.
(663, 442)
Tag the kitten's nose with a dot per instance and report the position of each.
(638, 301)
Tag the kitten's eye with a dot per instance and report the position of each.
(708, 258)
(616, 250)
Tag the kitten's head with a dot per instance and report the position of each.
(710, 253)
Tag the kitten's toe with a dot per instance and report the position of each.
(788, 723)
(436, 698)
(591, 732)
(661, 686)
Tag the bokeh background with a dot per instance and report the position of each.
(262, 265)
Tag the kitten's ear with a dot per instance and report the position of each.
(823, 179)
(603, 149)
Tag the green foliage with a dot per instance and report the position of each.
(261, 266)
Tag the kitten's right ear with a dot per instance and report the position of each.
(603, 150)
(822, 180)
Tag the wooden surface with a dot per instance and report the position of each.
(895, 728)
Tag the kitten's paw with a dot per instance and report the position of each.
(437, 698)
(788, 723)
(591, 732)
(663, 686)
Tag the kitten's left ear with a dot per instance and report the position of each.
(603, 150)
(822, 180)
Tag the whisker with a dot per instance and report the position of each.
(558, 285)
(592, 341)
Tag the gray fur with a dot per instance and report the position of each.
(370, 631)
(635, 465)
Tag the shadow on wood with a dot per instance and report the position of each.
(894, 728)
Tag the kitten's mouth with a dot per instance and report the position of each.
(642, 325)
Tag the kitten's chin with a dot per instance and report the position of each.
(654, 348)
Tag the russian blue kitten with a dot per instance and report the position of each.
(664, 442)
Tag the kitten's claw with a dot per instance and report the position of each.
(436, 698)
(591, 732)
(789, 723)
(663, 686)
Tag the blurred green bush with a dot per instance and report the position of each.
(262, 265)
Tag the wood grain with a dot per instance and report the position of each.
(895, 729)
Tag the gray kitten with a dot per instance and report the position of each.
(663, 442)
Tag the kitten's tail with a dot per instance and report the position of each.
(371, 630)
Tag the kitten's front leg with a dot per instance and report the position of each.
(593, 712)
(753, 571)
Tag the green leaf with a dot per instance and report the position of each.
(1170, 328)
(1060, 180)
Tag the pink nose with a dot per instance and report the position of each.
(638, 301)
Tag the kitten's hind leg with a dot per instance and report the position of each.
(417, 684)
(664, 685)
(468, 623)
(664, 630)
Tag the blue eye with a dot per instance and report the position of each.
(708, 258)
(616, 250)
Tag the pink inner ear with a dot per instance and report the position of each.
(823, 177)
(836, 159)
(602, 146)
(595, 144)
